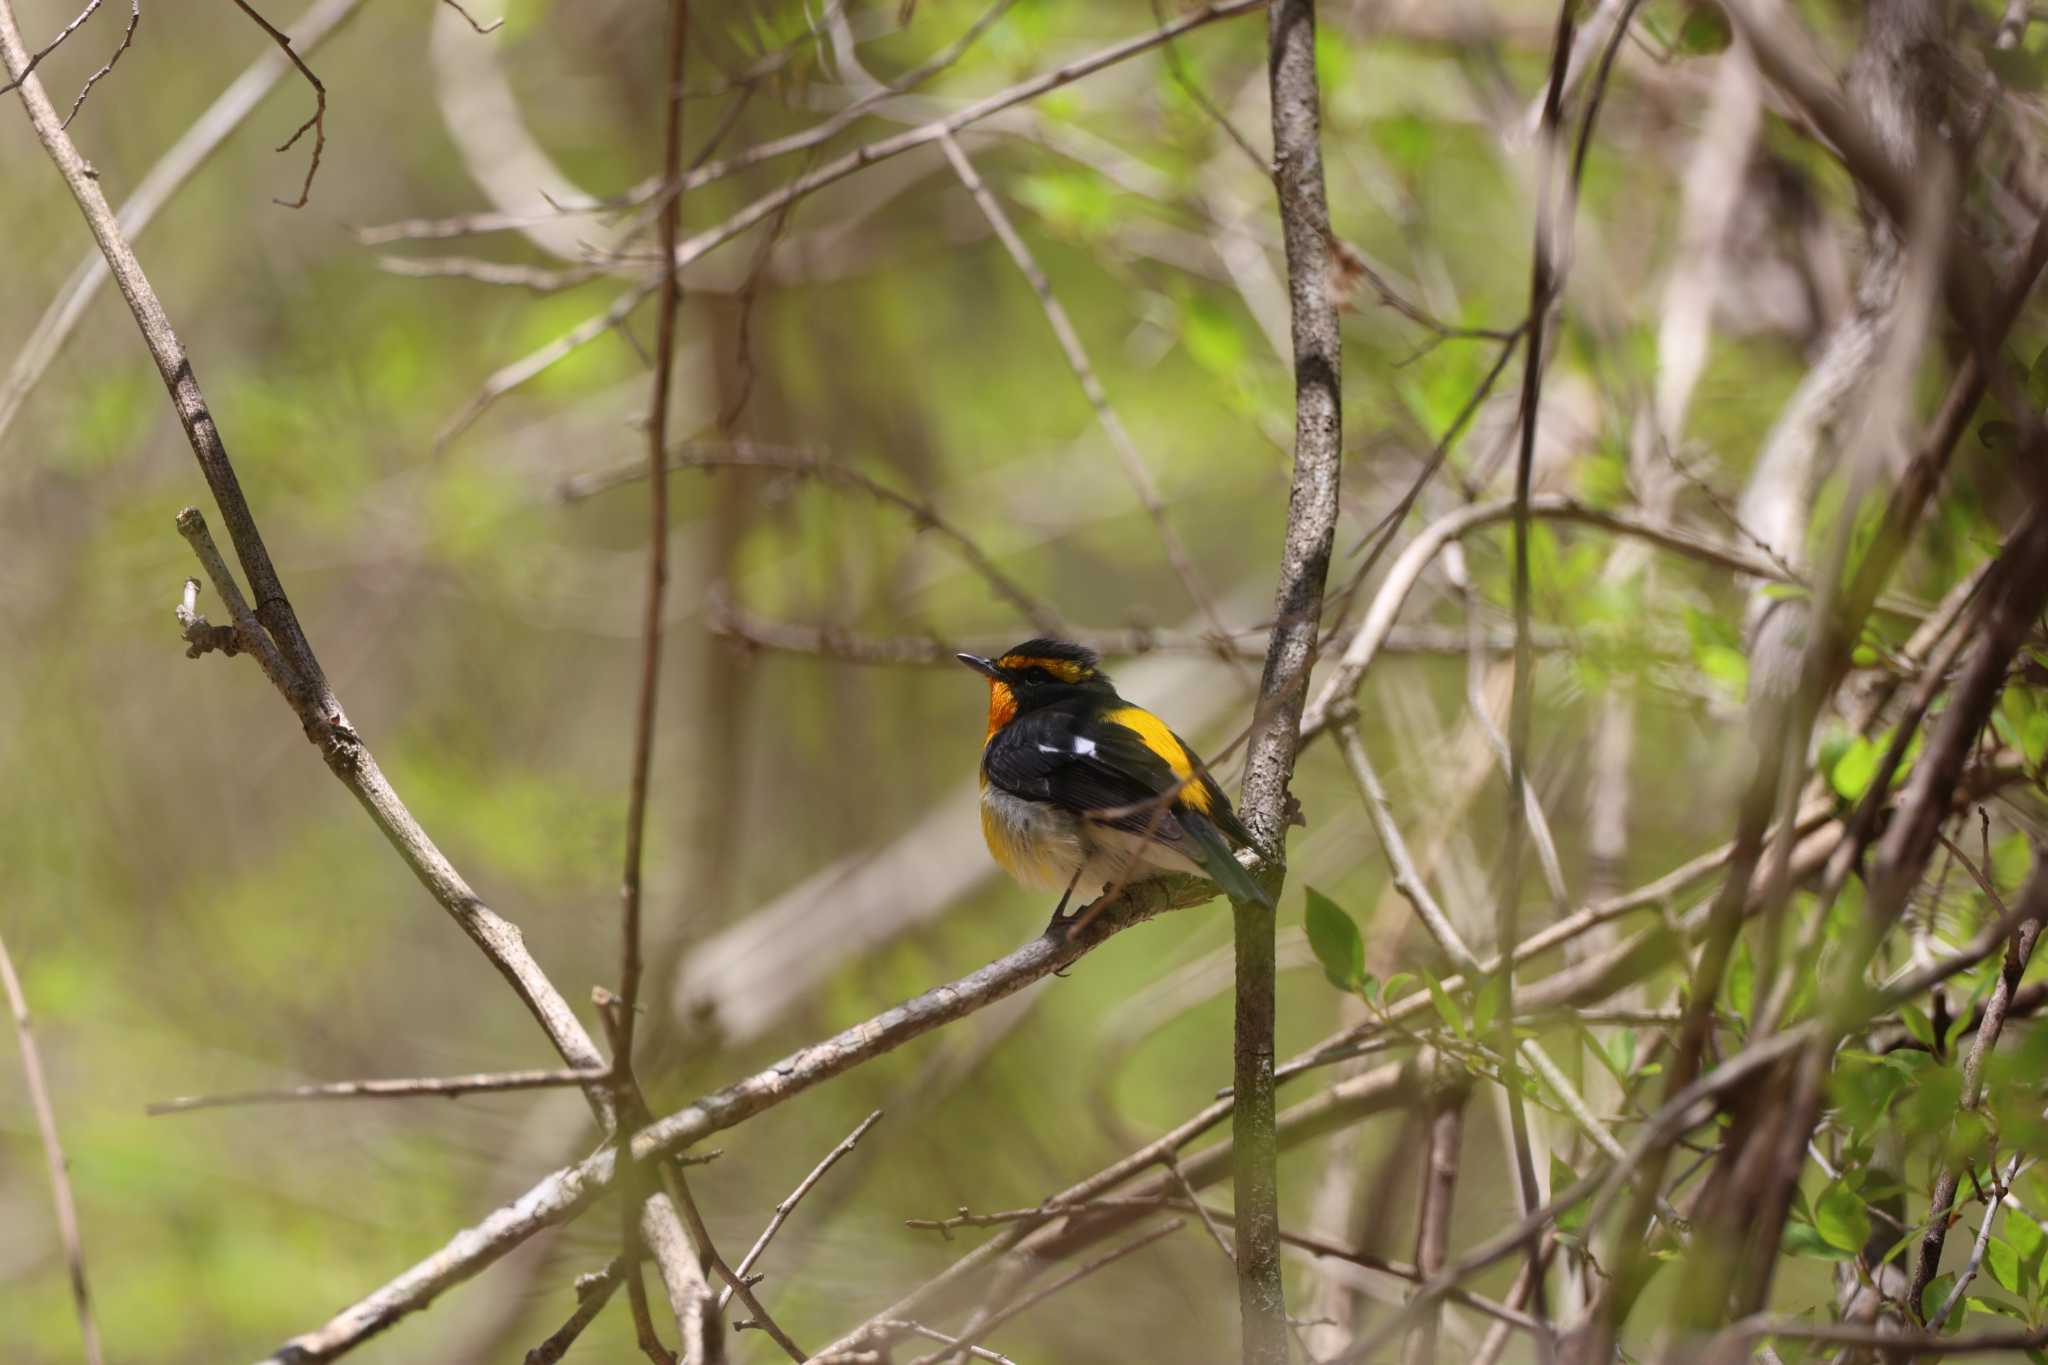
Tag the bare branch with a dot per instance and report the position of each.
(156, 187)
(1135, 468)
(593, 1291)
(568, 1191)
(447, 1087)
(53, 1154)
(318, 121)
(127, 38)
(788, 1205)
(768, 205)
(18, 74)
(470, 19)
(743, 454)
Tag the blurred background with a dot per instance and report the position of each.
(196, 906)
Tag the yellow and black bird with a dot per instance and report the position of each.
(1080, 787)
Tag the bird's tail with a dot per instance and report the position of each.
(1213, 853)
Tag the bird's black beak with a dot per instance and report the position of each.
(981, 665)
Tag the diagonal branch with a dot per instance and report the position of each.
(1135, 468)
(53, 1152)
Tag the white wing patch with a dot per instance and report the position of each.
(1084, 747)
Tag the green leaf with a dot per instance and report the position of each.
(1446, 1007)
(1563, 1177)
(2028, 1243)
(1334, 937)
(1486, 1002)
(1857, 767)
(1803, 1239)
(1398, 985)
(1741, 981)
(1931, 1300)
(2004, 1264)
(1841, 1219)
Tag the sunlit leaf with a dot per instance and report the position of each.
(1334, 936)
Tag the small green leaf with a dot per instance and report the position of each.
(1562, 1178)
(1931, 1300)
(1841, 1218)
(2004, 1264)
(1334, 937)
(1803, 1239)
(1741, 981)
(1486, 1003)
(1398, 985)
(1857, 767)
(1446, 1007)
(2027, 1240)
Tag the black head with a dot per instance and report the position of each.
(1040, 671)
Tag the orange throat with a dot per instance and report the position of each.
(1002, 708)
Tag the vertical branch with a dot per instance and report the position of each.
(1542, 290)
(1433, 1219)
(53, 1150)
(657, 542)
(1298, 600)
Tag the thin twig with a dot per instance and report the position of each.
(1406, 877)
(724, 617)
(53, 1154)
(1995, 1198)
(318, 121)
(1941, 1200)
(470, 19)
(1044, 1292)
(20, 75)
(795, 1197)
(1507, 917)
(657, 552)
(593, 1291)
(1135, 468)
(446, 1087)
(520, 371)
(163, 180)
(746, 454)
(127, 38)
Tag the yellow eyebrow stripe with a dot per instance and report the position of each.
(1162, 741)
(1066, 670)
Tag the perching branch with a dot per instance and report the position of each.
(1290, 653)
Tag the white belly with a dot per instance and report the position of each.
(1042, 846)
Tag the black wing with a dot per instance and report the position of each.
(1066, 755)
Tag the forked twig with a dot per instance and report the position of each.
(318, 121)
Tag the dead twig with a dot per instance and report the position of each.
(53, 1154)
(470, 19)
(127, 39)
(317, 123)
(795, 1197)
(446, 1087)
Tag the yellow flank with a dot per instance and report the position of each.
(1194, 792)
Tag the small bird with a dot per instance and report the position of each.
(1080, 786)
